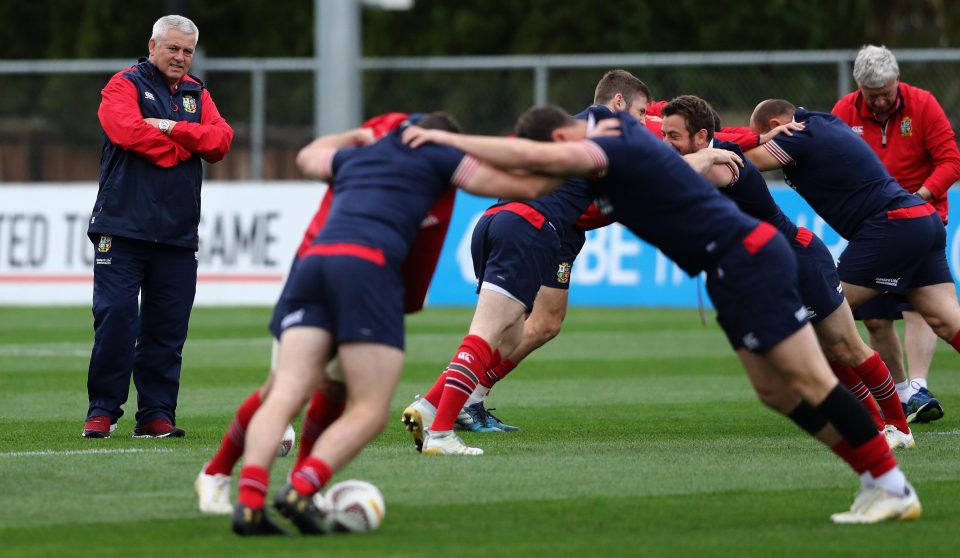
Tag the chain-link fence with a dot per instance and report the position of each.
(49, 129)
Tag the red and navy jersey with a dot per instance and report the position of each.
(836, 172)
(381, 195)
(752, 196)
(645, 185)
(150, 181)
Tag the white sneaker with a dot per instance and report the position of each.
(897, 439)
(417, 418)
(874, 504)
(213, 493)
(447, 443)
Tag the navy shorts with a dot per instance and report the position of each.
(818, 281)
(896, 254)
(354, 299)
(512, 254)
(888, 306)
(557, 274)
(755, 291)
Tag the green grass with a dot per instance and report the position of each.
(641, 436)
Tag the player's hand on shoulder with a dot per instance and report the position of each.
(415, 136)
(608, 127)
(721, 156)
(363, 136)
(785, 129)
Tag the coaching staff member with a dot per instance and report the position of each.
(158, 122)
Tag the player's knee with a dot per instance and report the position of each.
(546, 329)
(877, 327)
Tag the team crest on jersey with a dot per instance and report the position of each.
(906, 127)
(563, 272)
(189, 104)
(105, 242)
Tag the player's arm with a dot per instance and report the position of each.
(122, 121)
(483, 179)
(763, 159)
(316, 159)
(719, 166)
(940, 142)
(563, 159)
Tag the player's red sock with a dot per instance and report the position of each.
(878, 380)
(253, 484)
(320, 414)
(312, 475)
(231, 448)
(463, 373)
(497, 373)
(436, 392)
(874, 456)
(852, 382)
(955, 341)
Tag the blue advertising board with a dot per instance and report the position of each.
(615, 268)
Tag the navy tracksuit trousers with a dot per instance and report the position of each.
(144, 340)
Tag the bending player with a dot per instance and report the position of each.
(347, 295)
(896, 240)
(751, 273)
(212, 484)
(688, 125)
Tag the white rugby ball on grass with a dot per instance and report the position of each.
(286, 443)
(355, 506)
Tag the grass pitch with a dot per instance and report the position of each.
(641, 436)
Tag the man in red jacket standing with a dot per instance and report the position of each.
(909, 131)
(158, 123)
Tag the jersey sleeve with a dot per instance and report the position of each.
(464, 169)
(740, 135)
(941, 143)
(210, 138)
(598, 149)
(335, 159)
(782, 153)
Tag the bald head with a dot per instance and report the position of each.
(770, 114)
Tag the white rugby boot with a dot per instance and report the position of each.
(417, 418)
(874, 504)
(897, 439)
(213, 493)
(447, 443)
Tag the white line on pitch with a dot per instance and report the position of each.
(42, 453)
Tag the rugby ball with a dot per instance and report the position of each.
(355, 506)
(286, 443)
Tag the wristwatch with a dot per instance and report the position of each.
(164, 126)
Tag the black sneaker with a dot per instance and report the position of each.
(249, 522)
(301, 511)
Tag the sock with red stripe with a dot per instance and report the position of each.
(863, 448)
(471, 361)
(312, 475)
(320, 414)
(231, 448)
(497, 373)
(852, 382)
(253, 484)
(876, 376)
(436, 391)
(955, 341)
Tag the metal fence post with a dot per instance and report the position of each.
(258, 95)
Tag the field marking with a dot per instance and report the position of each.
(42, 453)
(945, 433)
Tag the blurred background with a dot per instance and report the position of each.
(483, 60)
(282, 71)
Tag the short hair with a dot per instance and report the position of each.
(771, 108)
(440, 121)
(180, 23)
(538, 123)
(623, 82)
(875, 66)
(698, 114)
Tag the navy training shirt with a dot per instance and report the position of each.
(652, 191)
(752, 196)
(836, 172)
(383, 191)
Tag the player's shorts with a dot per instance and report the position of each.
(897, 250)
(511, 252)
(355, 299)
(753, 286)
(557, 275)
(818, 281)
(887, 306)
